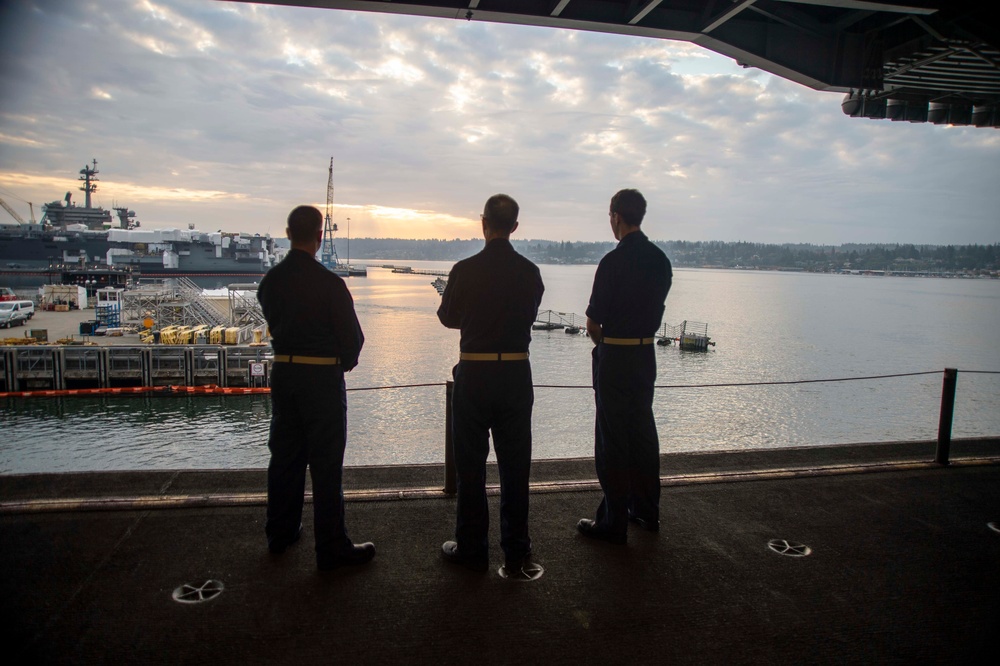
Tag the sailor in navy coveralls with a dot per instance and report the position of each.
(625, 312)
(493, 297)
(316, 338)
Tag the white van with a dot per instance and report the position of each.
(28, 308)
(11, 314)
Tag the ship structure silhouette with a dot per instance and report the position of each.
(71, 238)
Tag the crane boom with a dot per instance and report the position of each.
(13, 213)
(329, 192)
(328, 253)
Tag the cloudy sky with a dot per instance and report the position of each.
(226, 115)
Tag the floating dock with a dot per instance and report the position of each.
(407, 270)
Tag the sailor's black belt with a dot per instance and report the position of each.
(627, 341)
(493, 356)
(307, 360)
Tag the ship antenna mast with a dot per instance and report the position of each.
(89, 176)
(328, 255)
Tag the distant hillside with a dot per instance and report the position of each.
(695, 254)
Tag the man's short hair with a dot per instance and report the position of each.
(303, 223)
(500, 213)
(631, 205)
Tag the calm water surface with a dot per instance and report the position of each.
(768, 327)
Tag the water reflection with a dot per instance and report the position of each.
(134, 432)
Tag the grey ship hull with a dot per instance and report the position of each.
(31, 247)
(32, 256)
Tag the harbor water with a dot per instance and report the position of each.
(768, 327)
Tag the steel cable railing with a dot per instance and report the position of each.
(686, 386)
(771, 383)
(950, 376)
(944, 422)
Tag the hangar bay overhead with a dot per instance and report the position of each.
(932, 61)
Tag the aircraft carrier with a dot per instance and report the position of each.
(72, 241)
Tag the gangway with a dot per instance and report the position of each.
(669, 333)
(206, 310)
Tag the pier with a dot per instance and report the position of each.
(407, 270)
(68, 358)
(825, 555)
(67, 367)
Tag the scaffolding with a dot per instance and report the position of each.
(244, 309)
(170, 302)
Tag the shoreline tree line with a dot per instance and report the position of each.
(853, 257)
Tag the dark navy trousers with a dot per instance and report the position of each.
(308, 428)
(497, 397)
(626, 447)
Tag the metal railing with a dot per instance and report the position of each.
(945, 419)
(189, 364)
